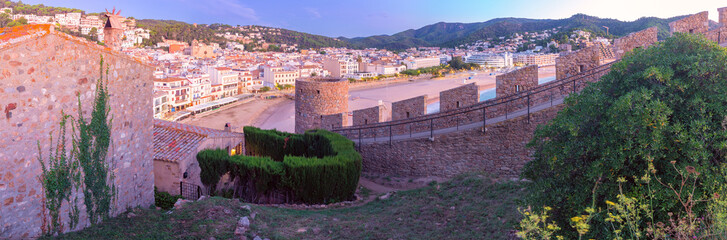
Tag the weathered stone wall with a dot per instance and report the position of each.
(722, 15)
(333, 121)
(409, 108)
(315, 98)
(572, 63)
(367, 116)
(458, 97)
(500, 151)
(697, 23)
(640, 39)
(517, 81)
(41, 77)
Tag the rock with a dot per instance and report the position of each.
(239, 230)
(252, 216)
(227, 211)
(386, 196)
(203, 197)
(452, 208)
(316, 230)
(301, 230)
(131, 215)
(180, 202)
(244, 222)
(212, 238)
(257, 238)
(247, 207)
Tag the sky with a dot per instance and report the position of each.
(360, 18)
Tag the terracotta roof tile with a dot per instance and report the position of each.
(175, 141)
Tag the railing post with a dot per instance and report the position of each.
(574, 85)
(484, 119)
(431, 128)
(410, 130)
(389, 135)
(456, 119)
(528, 108)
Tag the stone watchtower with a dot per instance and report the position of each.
(113, 30)
(317, 97)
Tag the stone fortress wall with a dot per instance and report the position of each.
(317, 97)
(458, 97)
(572, 63)
(640, 39)
(516, 81)
(409, 108)
(697, 23)
(43, 74)
(368, 115)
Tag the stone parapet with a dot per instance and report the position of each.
(697, 23)
(642, 39)
(573, 63)
(517, 81)
(458, 97)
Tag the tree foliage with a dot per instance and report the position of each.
(660, 109)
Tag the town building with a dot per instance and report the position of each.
(340, 67)
(227, 79)
(491, 60)
(273, 76)
(423, 62)
(535, 59)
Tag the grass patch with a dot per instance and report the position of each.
(469, 206)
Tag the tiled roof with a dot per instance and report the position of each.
(175, 141)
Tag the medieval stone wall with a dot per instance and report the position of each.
(333, 121)
(722, 15)
(572, 63)
(458, 97)
(697, 23)
(44, 76)
(500, 151)
(517, 81)
(315, 98)
(368, 116)
(640, 39)
(409, 108)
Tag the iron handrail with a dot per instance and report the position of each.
(484, 104)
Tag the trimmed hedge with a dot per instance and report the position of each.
(165, 200)
(213, 164)
(316, 167)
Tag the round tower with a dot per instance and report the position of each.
(317, 97)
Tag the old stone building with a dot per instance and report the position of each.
(45, 74)
(572, 63)
(317, 97)
(517, 81)
(113, 30)
(201, 50)
(175, 153)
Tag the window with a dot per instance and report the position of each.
(457, 104)
(691, 31)
(407, 114)
(581, 68)
(318, 91)
(366, 121)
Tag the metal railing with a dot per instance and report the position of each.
(505, 101)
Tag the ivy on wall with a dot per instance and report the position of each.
(83, 167)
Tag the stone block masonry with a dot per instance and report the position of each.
(315, 98)
(722, 16)
(640, 39)
(517, 81)
(44, 75)
(409, 108)
(458, 97)
(500, 151)
(573, 63)
(333, 121)
(367, 116)
(697, 23)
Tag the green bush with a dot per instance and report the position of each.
(659, 110)
(165, 200)
(316, 167)
(213, 164)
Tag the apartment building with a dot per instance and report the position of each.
(226, 79)
(422, 62)
(279, 75)
(535, 59)
(340, 67)
(491, 60)
(177, 90)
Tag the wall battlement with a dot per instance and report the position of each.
(409, 108)
(517, 81)
(694, 24)
(458, 97)
(641, 39)
(368, 116)
(573, 63)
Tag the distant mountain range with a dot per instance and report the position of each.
(454, 34)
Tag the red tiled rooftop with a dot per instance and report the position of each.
(174, 141)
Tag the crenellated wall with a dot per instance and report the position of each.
(43, 74)
(368, 116)
(640, 39)
(458, 97)
(333, 121)
(697, 23)
(573, 63)
(517, 81)
(409, 108)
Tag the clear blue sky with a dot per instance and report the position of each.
(355, 18)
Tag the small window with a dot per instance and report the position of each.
(318, 91)
(457, 104)
(691, 31)
(366, 121)
(407, 114)
(581, 68)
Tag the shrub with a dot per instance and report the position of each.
(165, 200)
(213, 164)
(659, 109)
(316, 167)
